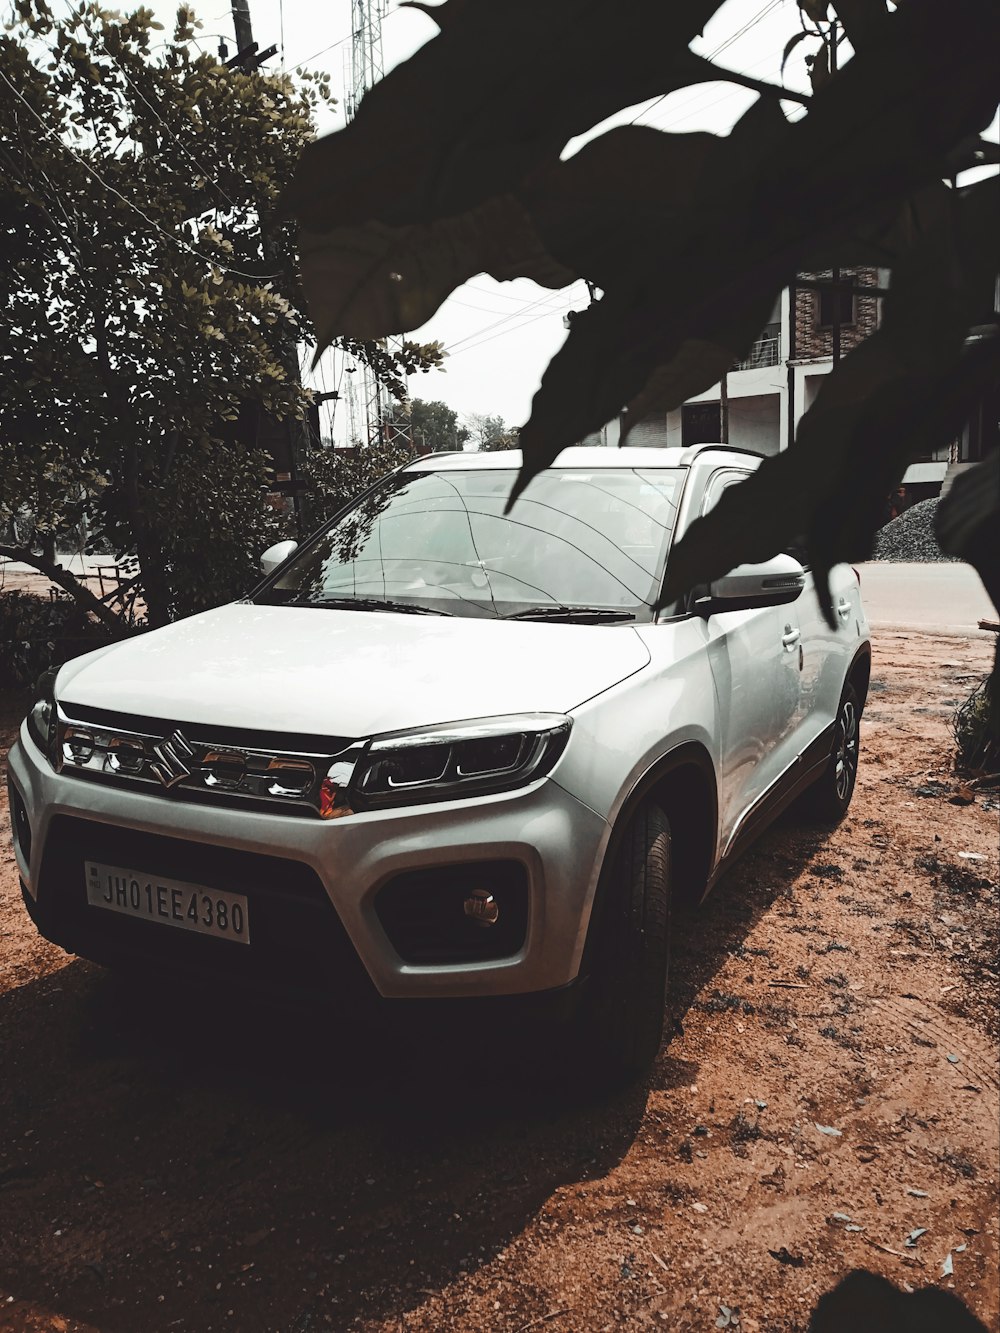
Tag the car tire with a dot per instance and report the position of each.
(828, 798)
(620, 1024)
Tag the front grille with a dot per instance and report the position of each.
(297, 939)
(198, 762)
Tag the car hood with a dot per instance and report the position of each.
(349, 673)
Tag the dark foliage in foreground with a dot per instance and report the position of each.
(471, 182)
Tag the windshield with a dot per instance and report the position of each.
(578, 544)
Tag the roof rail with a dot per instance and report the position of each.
(435, 453)
(694, 451)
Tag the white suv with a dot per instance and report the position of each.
(446, 752)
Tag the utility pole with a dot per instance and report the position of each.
(241, 22)
(367, 68)
(835, 275)
(792, 318)
(724, 408)
(291, 435)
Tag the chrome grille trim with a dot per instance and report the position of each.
(186, 762)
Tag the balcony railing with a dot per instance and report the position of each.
(765, 351)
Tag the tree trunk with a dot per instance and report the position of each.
(69, 583)
(155, 586)
(156, 589)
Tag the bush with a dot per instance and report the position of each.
(36, 633)
(977, 742)
(340, 475)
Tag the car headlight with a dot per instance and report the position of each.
(41, 718)
(487, 755)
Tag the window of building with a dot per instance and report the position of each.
(700, 424)
(839, 302)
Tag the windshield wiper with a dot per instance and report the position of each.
(591, 614)
(369, 604)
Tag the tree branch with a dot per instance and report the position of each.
(860, 18)
(69, 583)
(762, 87)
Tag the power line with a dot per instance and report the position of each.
(479, 341)
(501, 296)
(453, 300)
(515, 314)
(698, 105)
(176, 137)
(176, 240)
(465, 344)
(339, 42)
(761, 13)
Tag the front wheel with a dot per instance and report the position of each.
(828, 798)
(620, 1025)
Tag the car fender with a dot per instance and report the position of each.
(685, 773)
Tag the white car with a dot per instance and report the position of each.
(446, 752)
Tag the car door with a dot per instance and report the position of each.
(827, 651)
(754, 659)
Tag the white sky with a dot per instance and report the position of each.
(500, 336)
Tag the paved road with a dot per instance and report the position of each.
(947, 596)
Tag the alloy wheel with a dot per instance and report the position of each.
(845, 751)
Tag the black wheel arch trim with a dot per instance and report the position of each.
(859, 673)
(693, 842)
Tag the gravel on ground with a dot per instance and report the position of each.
(910, 537)
(827, 1100)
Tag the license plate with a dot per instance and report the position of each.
(171, 902)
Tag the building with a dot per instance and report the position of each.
(783, 370)
(812, 325)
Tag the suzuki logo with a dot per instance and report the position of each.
(173, 754)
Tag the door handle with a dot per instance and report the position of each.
(843, 608)
(790, 638)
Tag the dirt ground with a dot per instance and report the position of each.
(828, 1100)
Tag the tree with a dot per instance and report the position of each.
(340, 475)
(472, 181)
(490, 433)
(432, 425)
(150, 290)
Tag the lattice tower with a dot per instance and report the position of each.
(367, 68)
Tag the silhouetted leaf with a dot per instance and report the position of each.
(966, 522)
(372, 280)
(792, 43)
(859, 17)
(689, 237)
(878, 131)
(493, 96)
(899, 395)
(819, 68)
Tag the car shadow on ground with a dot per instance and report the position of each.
(172, 1154)
(706, 936)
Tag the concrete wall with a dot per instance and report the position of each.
(755, 423)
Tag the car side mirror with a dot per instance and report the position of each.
(276, 555)
(747, 587)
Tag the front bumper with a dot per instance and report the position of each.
(313, 882)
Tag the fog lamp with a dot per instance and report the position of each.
(482, 908)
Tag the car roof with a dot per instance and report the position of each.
(587, 456)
